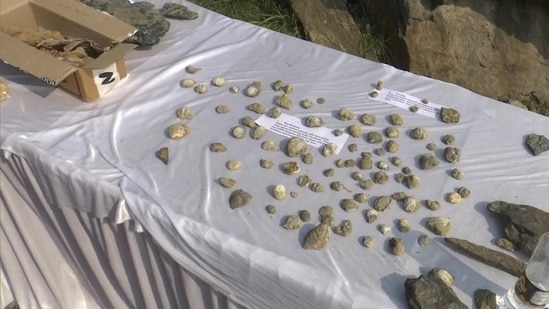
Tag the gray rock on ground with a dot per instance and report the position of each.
(150, 24)
(524, 224)
(428, 292)
(537, 143)
(485, 299)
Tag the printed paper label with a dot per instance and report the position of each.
(404, 101)
(106, 78)
(290, 126)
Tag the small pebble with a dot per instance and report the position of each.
(271, 209)
(368, 241)
(397, 246)
(424, 240)
(454, 198)
(304, 215)
(291, 222)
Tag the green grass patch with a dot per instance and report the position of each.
(276, 15)
(537, 106)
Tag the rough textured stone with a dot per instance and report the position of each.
(485, 299)
(327, 22)
(151, 25)
(524, 224)
(537, 143)
(491, 257)
(428, 292)
(177, 11)
(495, 48)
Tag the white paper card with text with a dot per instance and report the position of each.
(405, 101)
(290, 126)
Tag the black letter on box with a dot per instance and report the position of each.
(107, 78)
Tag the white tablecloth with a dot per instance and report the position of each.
(103, 153)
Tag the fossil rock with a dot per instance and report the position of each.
(368, 241)
(485, 299)
(392, 146)
(313, 121)
(368, 119)
(233, 165)
(271, 209)
(411, 181)
(392, 132)
(306, 103)
(537, 143)
(410, 205)
(222, 109)
(452, 154)
(304, 215)
(178, 131)
(149, 22)
(256, 108)
(329, 172)
(326, 210)
(187, 83)
(344, 229)
(429, 292)
(454, 198)
(428, 161)
(397, 246)
(383, 202)
(269, 145)
(318, 237)
(163, 155)
(218, 147)
(355, 130)
(296, 147)
(424, 240)
(399, 196)
(463, 192)
(448, 139)
(449, 115)
(227, 182)
(266, 164)
(366, 184)
(443, 275)
(239, 198)
(491, 257)
(374, 137)
(419, 133)
(433, 205)
(396, 119)
(291, 168)
(248, 122)
(253, 90)
(307, 158)
(316, 187)
(258, 132)
(238, 132)
(177, 11)
(279, 192)
(291, 222)
(524, 224)
(506, 244)
(383, 228)
(218, 81)
(200, 88)
(345, 114)
(371, 215)
(329, 149)
(457, 174)
(404, 225)
(303, 180)
(349, 205)
(380, 177)
(440, 226)
(365, 163)
(284, 101)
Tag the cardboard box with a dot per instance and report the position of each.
(73, 19)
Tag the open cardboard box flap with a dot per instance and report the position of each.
(71, 18)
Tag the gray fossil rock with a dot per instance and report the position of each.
(524, 224)
(430, 292)
(177, 11)
(150, 24)
(485, 299)
(537, 143)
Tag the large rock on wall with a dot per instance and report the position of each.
(498, 48)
